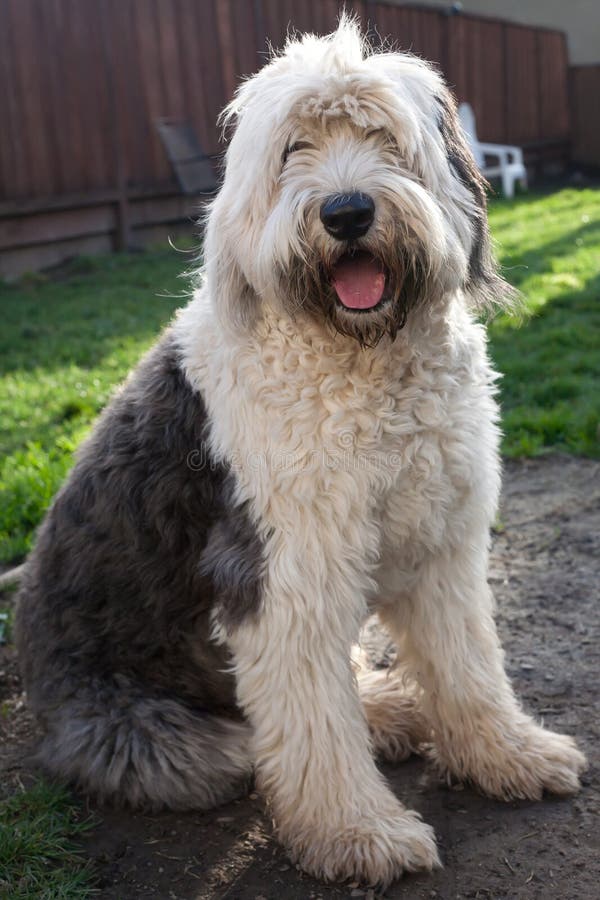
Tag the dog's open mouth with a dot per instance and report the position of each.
(359, 280)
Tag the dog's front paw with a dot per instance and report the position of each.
(372, 851)
(521, 765)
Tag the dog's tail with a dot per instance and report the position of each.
(126, 747)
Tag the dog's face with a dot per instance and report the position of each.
(350, 194)
(359, 254)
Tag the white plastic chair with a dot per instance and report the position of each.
(510, 167)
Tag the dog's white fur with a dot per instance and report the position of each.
(371, 473)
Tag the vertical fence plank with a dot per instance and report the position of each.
(29, 90)
(147, 33)
(119, 112)
(245, 30)
(170, 59)
(14, 180)
(276, 22)
(226, 45)
(553, 86)
(117, 19)
(486, 83)
(191, 86)
(101, 93)
(522, 85)
(211, 74)
(585, 90)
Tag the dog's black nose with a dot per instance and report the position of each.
(348, 216)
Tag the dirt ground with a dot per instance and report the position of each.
(546, 576)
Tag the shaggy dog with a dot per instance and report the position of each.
(314, 438)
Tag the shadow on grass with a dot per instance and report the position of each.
(89, 310)
(538, 259)
(549, 392)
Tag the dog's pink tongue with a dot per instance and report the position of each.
(359, 282)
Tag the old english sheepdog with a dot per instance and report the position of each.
(312, 440)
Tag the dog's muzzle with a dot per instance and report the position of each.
(357, 277)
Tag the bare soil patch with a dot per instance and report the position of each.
(546, 577)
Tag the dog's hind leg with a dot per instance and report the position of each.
(396, 722)
(125, 747)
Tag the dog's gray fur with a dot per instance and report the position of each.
(115, 609)
(484, 281)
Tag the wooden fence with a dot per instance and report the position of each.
(585, 106)
(82, 83)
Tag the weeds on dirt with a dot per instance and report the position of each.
(38, 852)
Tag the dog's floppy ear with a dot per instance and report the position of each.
(486, 286)
(236, 302)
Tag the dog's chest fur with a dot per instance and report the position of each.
(375, 450)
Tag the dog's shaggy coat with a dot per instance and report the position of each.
(279, 465)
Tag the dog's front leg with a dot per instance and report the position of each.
(448, 635)
(331, 806)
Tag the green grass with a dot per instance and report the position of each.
(64, 345)
(549, 247)
(39, 859)
(66, 342)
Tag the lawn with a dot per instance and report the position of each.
(66, 342)
(549, 248)
(68, 339)
(39, 828)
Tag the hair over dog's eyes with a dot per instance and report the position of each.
(293, 148)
